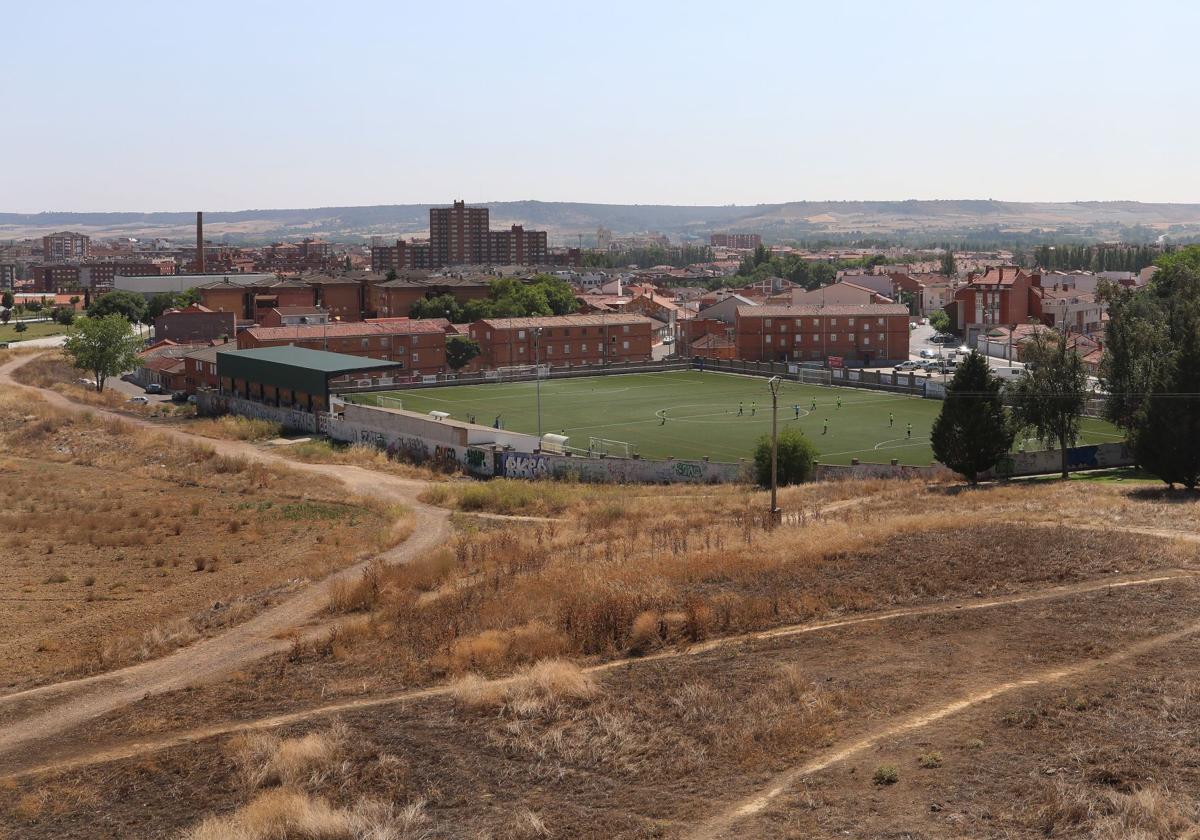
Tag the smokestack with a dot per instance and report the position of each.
(199, 242)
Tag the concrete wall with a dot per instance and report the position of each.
(1049, 461)
(618, 470)
(840, 472)
(212, 403)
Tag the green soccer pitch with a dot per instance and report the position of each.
(702, 414)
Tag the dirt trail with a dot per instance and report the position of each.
(61, 706)
(157, 743)
(718, 825)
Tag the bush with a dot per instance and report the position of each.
(794, 460)
(20, 326)
(930, 760)
(886, 774)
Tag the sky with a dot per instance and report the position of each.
(221, 105)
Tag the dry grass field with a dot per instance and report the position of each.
(895, 659)
(120, 546)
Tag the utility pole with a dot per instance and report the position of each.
(537, 377)
(773, 383)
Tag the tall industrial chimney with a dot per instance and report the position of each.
(199, 242)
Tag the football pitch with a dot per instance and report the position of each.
(693, 414)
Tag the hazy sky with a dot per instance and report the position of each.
(231, 105)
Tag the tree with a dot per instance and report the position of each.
(5, 316)
(106, 346)
(949, 268)
(1151, 368)
(460, 350)
(939, 320)
(972, 432)
(6, 300)
(20, 326)
(130, 306)
(439, 306)
(794, 459)
(158, 304)
(1050, 398)
(64, 316)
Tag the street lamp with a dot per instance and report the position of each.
(773, 383)
(537, 377)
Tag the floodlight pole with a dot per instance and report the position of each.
(773, 383)
(537, 378)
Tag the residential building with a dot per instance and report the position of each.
(870, 333)
(842, 292)
(725, 309)
(200, 368)
(517, 246)
(246, 300)
(8, 276)
(1003, 296)
(64, 246)
(458, 235)
(403, 256)
(1071, 311)
(395, 298)
(56, 278)
(292, 316)
(563, 340)
(194, 323)
(418, 347)
(712, 346)
(737, 241)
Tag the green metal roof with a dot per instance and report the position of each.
(297, 368)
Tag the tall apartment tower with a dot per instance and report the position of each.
(458, 235)
(60, 247)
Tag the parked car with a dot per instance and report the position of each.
(906, 366)
(192, 399)
(928, 353)
(1009, 372)
(139, 400)
(669, 340)
(932, 366)
(154, 388)
(179, 396)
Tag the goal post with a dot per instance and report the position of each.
(598, 446)
(387, 401)
(814, 376)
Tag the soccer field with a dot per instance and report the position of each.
(702, 414)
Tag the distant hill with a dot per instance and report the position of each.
(566, 221)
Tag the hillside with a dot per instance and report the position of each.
(567, 220)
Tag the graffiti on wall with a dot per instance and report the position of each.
(288, 418)
(525, 466)
(604, 470)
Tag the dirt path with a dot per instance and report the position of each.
(723, 824)
(156, 743)
(62, 706)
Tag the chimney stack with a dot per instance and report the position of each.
(199, 242)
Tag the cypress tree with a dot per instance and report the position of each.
(972, 432)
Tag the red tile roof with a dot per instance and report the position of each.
(381, 326)
(865, 310)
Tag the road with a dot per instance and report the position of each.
(131, 389)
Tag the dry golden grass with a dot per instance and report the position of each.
(533, 690)
(230, 427)
(179, 543)
(265, 760)
(294, 815)
(368, 457)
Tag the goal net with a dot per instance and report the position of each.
(811, 376)
(617, 448)
(384, 401)
(522, 372)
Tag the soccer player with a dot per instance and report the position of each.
(825, 429)
(814, 405)
(662, 417)
(496, 422)
(753, 408)
(839, 400)
(740, 411)
(910, 429)
(796, 409)
(891, 419)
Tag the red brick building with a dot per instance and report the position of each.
(743, 241)
(1003, 296)
(194, 323)
(419, 346)
(66, 246)
(395, 298)
(247, 301)
(563, 340)
(871, 333)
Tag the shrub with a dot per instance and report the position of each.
(795, 458)
(930, 760)
(886, 774)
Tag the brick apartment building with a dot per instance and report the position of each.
(8, 276)
(343, 296)
(417, 346)
(395, 298)
(247, 300)
(871, 333)
(462, 235)
(563, 340)
(193, 324)
(743, 241)
(56, 278)
(1002, 297)
(66, 246)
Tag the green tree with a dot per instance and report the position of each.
(187, 297)
(939, 320)
(1050, 398)
(64, 316)
(439, 306)
(6, 300)
(972, 432)
(158, 304)
(104, 345)
(460, 350)
(795, 457)
(130, 306)
(949, 268)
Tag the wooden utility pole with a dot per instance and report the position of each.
(773, 383)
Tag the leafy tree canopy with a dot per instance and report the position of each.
(106, 346)
(794, 458)
(972, 432)
(129, 305)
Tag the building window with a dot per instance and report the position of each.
(625, 329)
(798, 324)
(783, 326)
(881, 322)
(768, 323)
(566, 349)
(583, 347)
(416, 358)
(867, 340)
(520, 334)
(850, 322)
(880, 337)
(833, 322)
(625, 344)
(833, 336)
(816, 322)
(366, 342)
(798, 337)
(768, 339)
(521, 349)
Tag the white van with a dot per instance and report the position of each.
(1009, 372)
